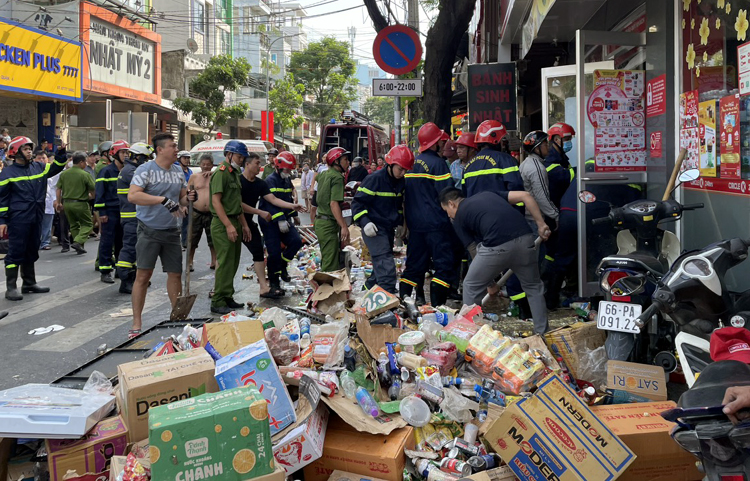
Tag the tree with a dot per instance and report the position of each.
(326, 71)
(208, 107)
(379, 109)
(284, 100)
(443, 39)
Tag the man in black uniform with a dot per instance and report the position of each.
(108, 206)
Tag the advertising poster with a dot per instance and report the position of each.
(689, 128)
(656, 96)
(707, 138)
(729, 140)
(616, 109)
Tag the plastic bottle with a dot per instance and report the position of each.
(347, 384)
(459, 382)
(394, 390)
(367, 403)
(441, 318)
(304, 326)
(483, 405)
(350, 358)
(383, 371)
(305, 341)
(411, 309)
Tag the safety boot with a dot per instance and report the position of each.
(11, 277)
(107, 277)
(29, 285)
(438, 294)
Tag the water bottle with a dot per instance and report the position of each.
(458, 381)
(348, 385)
(441, 318)
(304, 326)
(394, 390)
(367, 403)
(350, 358)
(482, 396)
(305, 341)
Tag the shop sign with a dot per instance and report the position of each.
(707, 137)
(655, 145)
(689, 128)
(743, 67)
(539, 10)
(124, 58)
(492, 94)
(656, 96)
(616, 109)
(729, 118)
(39, 63)
(727, 186)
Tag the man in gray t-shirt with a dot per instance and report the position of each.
(159, 191)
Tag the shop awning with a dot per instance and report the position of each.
(294, 147)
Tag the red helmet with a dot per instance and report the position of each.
(117, 146)
(335, 154)
(490, 132)
(449, 148)
(445, 136)
(285, 160)
(16, 144)
(467, 139)
(429, 134)
(562, 129)
(401, 155)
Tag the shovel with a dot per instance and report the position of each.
(508, 273)
(184, 304)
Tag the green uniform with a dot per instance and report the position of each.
(100, 164)
(76, 184)
(330, 188)
(268, 170)
(226, 181)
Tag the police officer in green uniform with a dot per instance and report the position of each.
(330, 227)
(226, 207)
(75, 188)
(104, 159)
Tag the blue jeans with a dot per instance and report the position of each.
(46, 236)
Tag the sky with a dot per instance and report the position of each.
(336, 24)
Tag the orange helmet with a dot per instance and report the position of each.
(562, 129)
(467, 139)
(429, 134)
(490, 132)
(401, 155)
(334, 154)
(16, 144)
(285, 160)
(117, 146)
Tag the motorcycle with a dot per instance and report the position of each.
(694, 295)
(629, 278)
(705, 431)
(346, 207)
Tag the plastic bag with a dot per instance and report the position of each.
(329, 341)
(189, 338)
(234, 317)
(443, 356)
(592, 367)
(457, 407)
(459, 331)
(98, 384)
(273, 317)
(484, 347)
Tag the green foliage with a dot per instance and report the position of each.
(326, 72)
(379, 109)
(223, 74)
(285, 99)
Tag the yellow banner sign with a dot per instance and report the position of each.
(39, 63)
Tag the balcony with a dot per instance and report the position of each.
(258, 7)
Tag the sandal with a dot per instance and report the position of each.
(133, 333)
(46, 248)
(273, 294)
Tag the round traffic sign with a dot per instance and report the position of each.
(397, 49)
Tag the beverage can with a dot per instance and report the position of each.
(454, 466)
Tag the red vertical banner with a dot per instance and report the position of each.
(270, 126)
(729, 114)
(263, 125)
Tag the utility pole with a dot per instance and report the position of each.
(412, 16)
(352, 31)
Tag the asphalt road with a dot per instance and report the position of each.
(87, 309)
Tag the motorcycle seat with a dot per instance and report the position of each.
(714, 380)
(633, 261)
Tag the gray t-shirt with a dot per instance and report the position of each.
(162, 182)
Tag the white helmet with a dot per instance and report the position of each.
(141, 148)
(183, 153)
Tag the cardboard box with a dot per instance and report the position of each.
(254, 365)
(227, 337)
(372, 455)
(157, 381)
(376, 301)
(90, 454)
(116, 466)
(568, 342)
(647, 434)
(344, 476)
(331, 288)
(277, 475)
(553, 435)
(303, 444)
(213, 436)
(641, 379)
(503, 473)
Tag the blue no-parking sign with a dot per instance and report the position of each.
(397, 49)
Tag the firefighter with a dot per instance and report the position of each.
(377, 208)
(23, 189)
(108, 206)
(104, 159)
(330, 226)
(491, 169)
(140, 153)
(430, 232)
(559, 170)
(280, 230)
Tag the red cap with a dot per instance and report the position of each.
(731, 344)
(449, 148)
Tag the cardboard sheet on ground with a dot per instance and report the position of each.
(375, 302)
(375, 337)
(330, 289)
(352, 414)
(227, 337)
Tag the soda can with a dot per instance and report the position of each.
(455, 467)
(464, 447)
(454, 453)
(482, 463)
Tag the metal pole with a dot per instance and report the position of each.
(397, 119)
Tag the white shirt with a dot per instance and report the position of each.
(320, 169)
(307, 179)
(51, 194)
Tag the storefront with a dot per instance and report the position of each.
(40, 80)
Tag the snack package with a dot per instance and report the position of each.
(484, 347)
(282, 349)
(515, 370)
(459, 331)
(443, 356)
(329, 341)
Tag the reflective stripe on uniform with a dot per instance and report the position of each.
(367, 191)
(476, 173)
(442, 283)
(99, 206)
(127, 215)
(123, 264)
(27, 177)
(551, 167)
(360, 214)
(11, 266)
(278, 214)
(122, 191)
(107, 179)
(3, 209)
(518, 296)
(436, 178)
(285, 259)
(551, 259)
(407, 281)
(279, 189)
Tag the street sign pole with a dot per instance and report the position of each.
(397, 119)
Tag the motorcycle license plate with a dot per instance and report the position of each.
(346, 213)
(618, 316)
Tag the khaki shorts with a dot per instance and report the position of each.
(156, 243)
(305, 195)
(201, 222)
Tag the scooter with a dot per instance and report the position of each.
(629, 278)
(703, 429)
(346, 207)
(694, 295)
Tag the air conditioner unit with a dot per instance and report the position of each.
(169, 94)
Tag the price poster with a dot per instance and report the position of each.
(729, 140)
(689, 128)
(707, 138)
(616, 109)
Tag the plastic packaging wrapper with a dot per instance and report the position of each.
(516, 370)
(234, 317)
(484, 347)
(592, 367)
(189, 338)
(98, 384)
(443, 356)
(328, 342)
(135, 471)
(459, 331)
(457, 407)
(273, 317)
(282, 349)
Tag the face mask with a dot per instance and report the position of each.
(567, 145)
(285, 175)
(306, 169)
